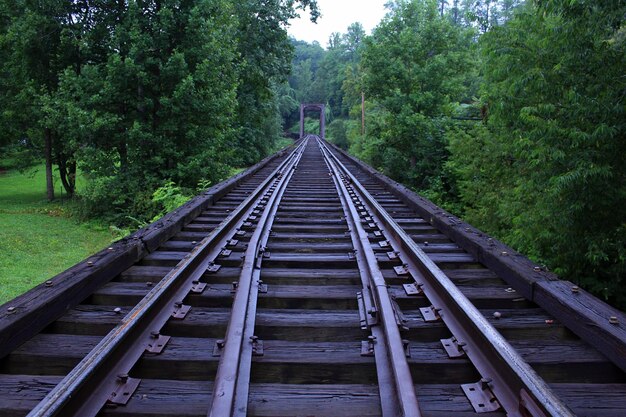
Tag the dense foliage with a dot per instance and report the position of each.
(141, 94)
(554, 82)
(508, 113)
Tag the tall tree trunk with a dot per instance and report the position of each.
(72, 176)
(47, 135)
(67, 172)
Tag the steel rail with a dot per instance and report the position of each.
(231, 387)
(394, 376)
(86, 389)
(515, 385)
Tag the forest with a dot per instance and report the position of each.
(508, 113)
(148, 100)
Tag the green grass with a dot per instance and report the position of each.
(39, 239)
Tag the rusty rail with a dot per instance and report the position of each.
(507, 380)
(230, 394)
(394, 376)
(105, 369)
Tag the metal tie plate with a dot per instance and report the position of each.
(198, 287)
(157, 343)
(392, 255)
(383, 244)
(362, 310)
(430, 314)
(367, 346)
(212, 268)
(232, 242)
(453, 347)
(225, 253)
(412, 289)
(481, 397)
(401, 269)
(125, 389)
(180, 311)
(378, 233)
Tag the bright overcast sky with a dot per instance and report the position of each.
(337, 15)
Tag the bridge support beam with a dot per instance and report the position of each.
(313, 106)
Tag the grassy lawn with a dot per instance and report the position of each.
(38, 239)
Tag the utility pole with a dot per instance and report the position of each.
(362, 113)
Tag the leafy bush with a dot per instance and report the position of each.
(168, 197)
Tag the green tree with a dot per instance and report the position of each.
(551, 170)
(415, 65)
(161, 107)
(31, 44)
(142, 93)
(264, 61)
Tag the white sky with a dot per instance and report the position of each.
(337, 15)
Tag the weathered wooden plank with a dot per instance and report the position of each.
(306, 324)
(144, 273)
(163, 258)
(29, 313)
(311, 247)
(316, 276)
(311, 221)
(304, 296)
(315, 229)
(586, 316)
(430, 238)
(193, 398)
(302, 363)
(568, 361)
(309, 260)
(594, 400)
(308, 237)
(85, 319)
(443, 259)
(21, 393)
(178, 245)
(272, 400)
(335, 210)
(48, 354)
(191, 236)
(289, 361)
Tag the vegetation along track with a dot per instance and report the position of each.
(310, 286)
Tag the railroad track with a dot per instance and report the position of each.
(310, 286)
